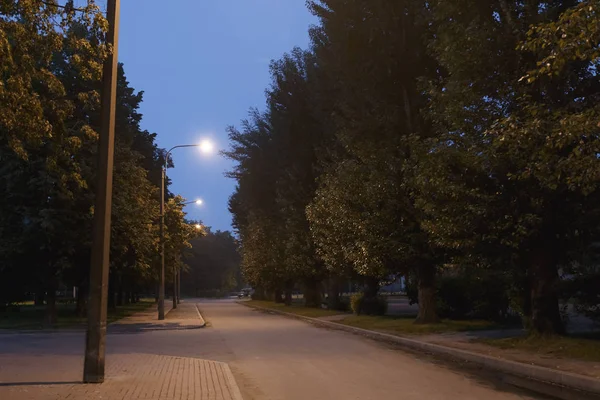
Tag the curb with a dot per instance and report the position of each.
(234, 389)
(563, 384)
(41, 330)
(203, 323)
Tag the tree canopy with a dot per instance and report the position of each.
(419, 138)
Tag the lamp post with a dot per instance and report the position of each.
(95, 338)
(206, 147)
(178, 291)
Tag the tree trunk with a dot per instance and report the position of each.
(82, 297)
(334, 288)
(119, 297)
(39, 298)
(50, 316)
(289, 287)
(312, 293)
(111, 293)
(545, 314)
(127, 297)
(371, 287)
(427, 308)
(278, 296)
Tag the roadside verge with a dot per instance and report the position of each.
(564, 385)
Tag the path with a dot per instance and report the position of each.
(273, 357)
(146, 359)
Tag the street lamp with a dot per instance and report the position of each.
(177, 283)
(95, 338)
(197, 202)
(206, 146)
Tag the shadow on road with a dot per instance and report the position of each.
(38, 383)
(149, 326)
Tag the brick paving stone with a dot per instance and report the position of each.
(128, 377)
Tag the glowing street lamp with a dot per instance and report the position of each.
(198, 202)
(206, 146)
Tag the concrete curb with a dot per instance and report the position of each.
(203, 323)
(234, 389)
(563, 382)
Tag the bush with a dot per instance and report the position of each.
(341, 304)
(368, 305)
(468, 293)
(472, 294)
(582, 290)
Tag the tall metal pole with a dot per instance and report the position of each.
(178, 286)
(174, 287)
(161, 284)
(95, 340)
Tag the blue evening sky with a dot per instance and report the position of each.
(201, 65)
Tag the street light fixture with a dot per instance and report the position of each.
(177, 286)
(197, 202)
(206, 146)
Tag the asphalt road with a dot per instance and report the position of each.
(272, 357)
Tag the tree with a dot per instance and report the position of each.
(374, 54)
(513, 175)
(213, 264)
(39, 146)
(276, 155)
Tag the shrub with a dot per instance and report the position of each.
(468, 292)
(340, 304)
(368, 305)
(472, 294)
(582, 291)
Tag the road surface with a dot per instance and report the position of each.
(272, 357)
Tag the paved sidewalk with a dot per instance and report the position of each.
(185, 316)
(128, 376)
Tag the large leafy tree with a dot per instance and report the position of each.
(276, 154)
(51, 58)
(39, 145)
(373, 54)
(514, 174)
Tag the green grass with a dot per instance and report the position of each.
(406, 325)
(28, 316)
(295, 308)
(587, 349)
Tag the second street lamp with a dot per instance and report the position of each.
(177, 283)
(206, 147)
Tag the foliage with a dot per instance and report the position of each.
(473, 293)
(361, 304)
(51, 63)
(212, 264)
(275, 152)
(511, 179)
